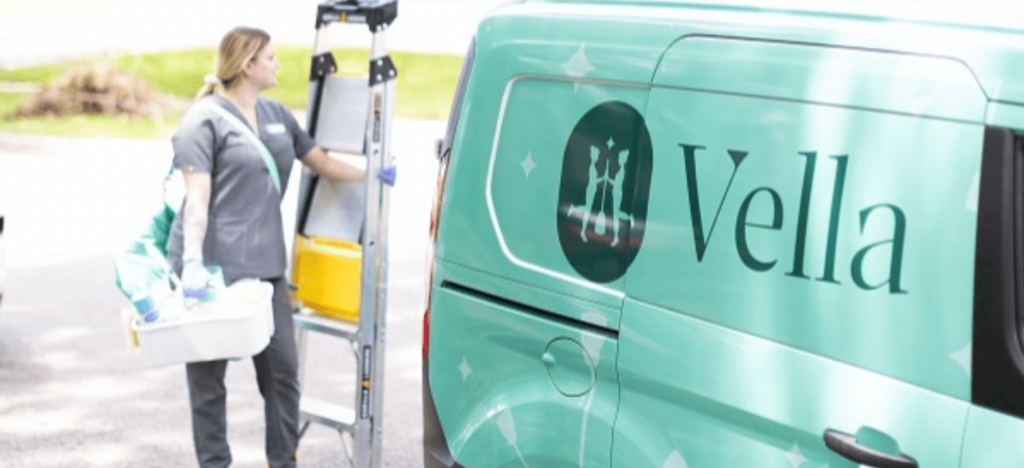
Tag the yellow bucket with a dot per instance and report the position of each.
(327, 274)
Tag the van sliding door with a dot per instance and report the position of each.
(807, 268)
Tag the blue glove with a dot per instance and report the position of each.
(388, 174)
(195, 281)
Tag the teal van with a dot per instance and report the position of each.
(729, 234)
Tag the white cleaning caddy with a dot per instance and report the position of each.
(237, 323)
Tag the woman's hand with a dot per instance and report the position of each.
(388, 174)
(195, 282)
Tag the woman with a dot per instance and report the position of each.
(232, 218)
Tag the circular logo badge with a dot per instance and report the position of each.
(606, 181)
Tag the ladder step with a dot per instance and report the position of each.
(328, 414)
(309, 321)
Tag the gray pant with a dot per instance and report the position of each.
(277, 376)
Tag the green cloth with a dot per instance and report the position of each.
(144, 263)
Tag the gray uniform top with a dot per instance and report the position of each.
(244, 233)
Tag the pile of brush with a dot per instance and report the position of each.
(94, 89)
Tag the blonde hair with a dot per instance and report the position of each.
(238, 47)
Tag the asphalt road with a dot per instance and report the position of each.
(72, 394)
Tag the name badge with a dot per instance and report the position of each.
(275, 128)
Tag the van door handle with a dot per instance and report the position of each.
(847, 446)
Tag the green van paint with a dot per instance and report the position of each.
(776, 240)
(859, 261)
(519, 388)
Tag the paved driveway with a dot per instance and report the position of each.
(72, 394)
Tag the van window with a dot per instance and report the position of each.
(998, 345)
(544, 193)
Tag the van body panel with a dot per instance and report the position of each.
(1005, 115)
(509, 155)
(516, 372)
(901, 83)
(993, 440)
(988, 41)
(796, 254)
(856, 245)
(599, 43)
(984, 15)
(698, 392)
(597, 315)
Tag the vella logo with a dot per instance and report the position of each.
(702, 236)
(602, 201)
(605, 187)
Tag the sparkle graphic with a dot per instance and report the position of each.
(963, 357)
(972, 193)
(919, 105)
(528, 165)
(464, 368)
(577, 66)
(611, 143)
(674, 460)
(507, 425)
(591, 342)
(795, 457)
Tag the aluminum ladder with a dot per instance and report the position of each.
(364, 419)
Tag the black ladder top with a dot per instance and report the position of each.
(376, 14)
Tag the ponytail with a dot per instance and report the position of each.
(210, 83)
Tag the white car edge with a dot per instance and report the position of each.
(3, 257)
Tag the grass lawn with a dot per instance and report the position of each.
(9, 102)
(425, 87)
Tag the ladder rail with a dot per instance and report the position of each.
(321, 66)
(373, 303)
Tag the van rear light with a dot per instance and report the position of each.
(426, 332)
(435, 218)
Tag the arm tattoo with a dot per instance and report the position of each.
(197, 208)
